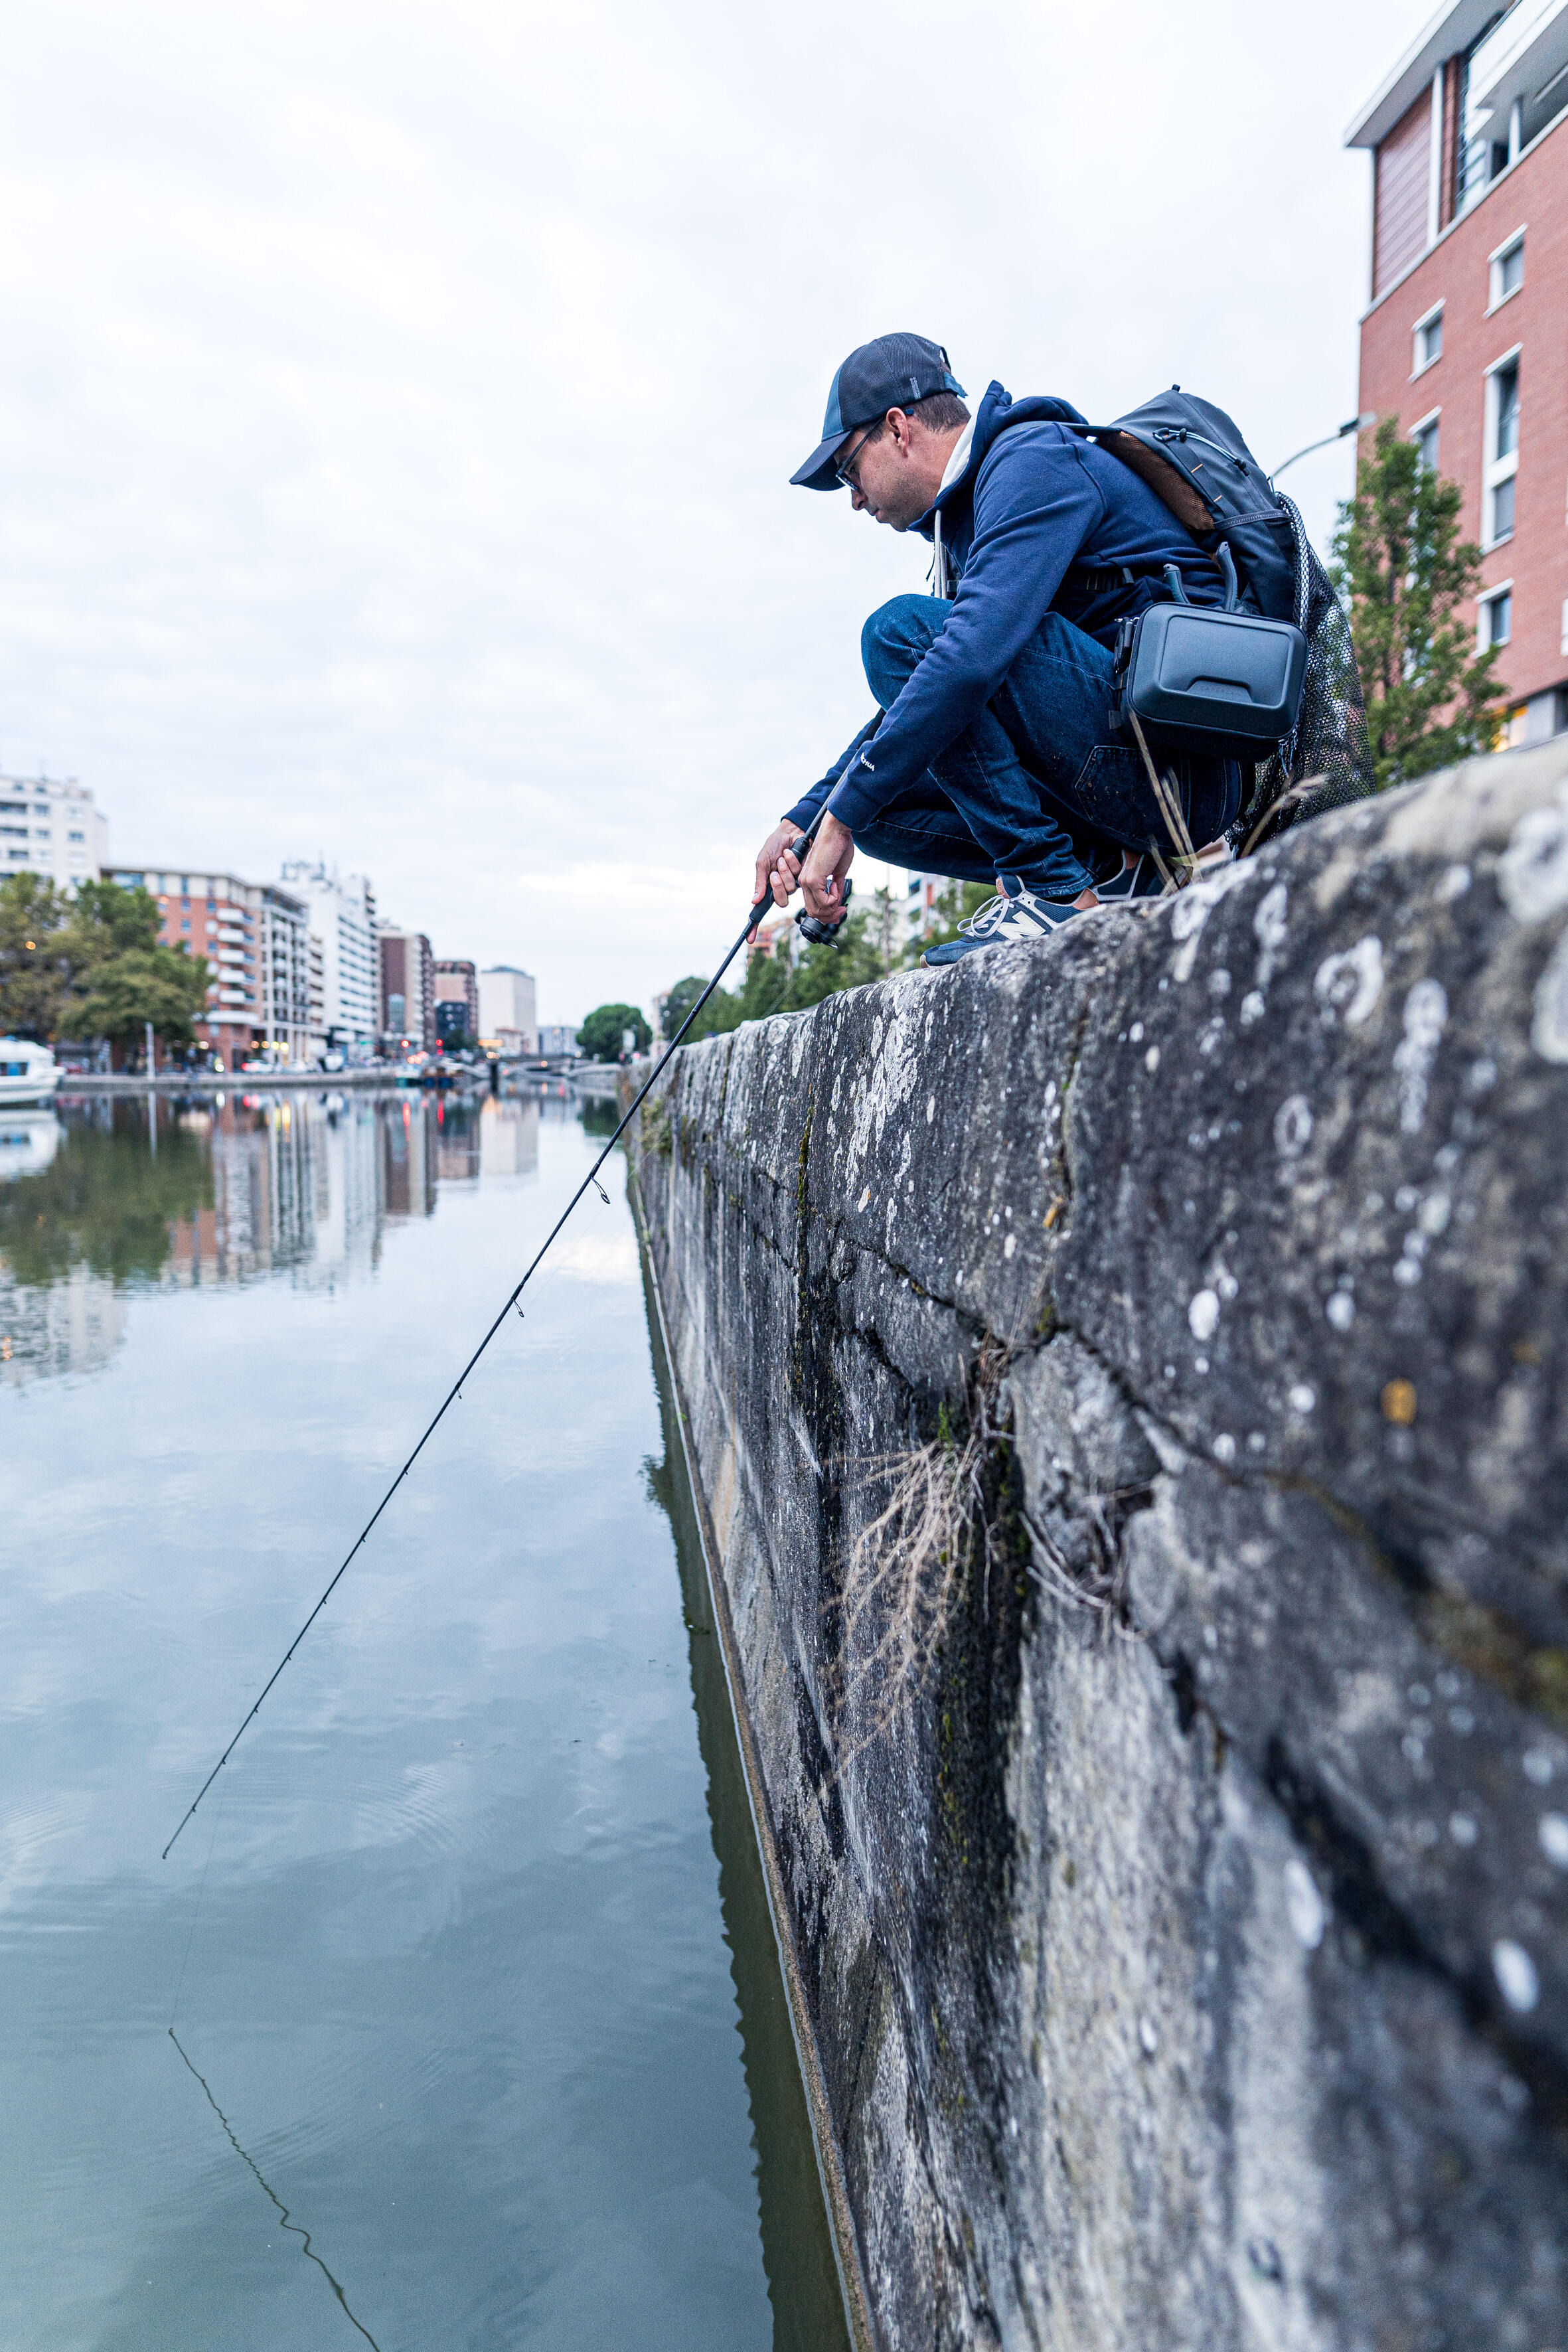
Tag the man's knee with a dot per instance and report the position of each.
(895, 638)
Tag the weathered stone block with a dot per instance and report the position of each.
(1185, 1955)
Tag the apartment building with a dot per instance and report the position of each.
(284, 937)
(407, 988)
(509, 1012)
(345, 1011)
(254, 938)
(51, 826)
(1462, 337)
(457, 1000)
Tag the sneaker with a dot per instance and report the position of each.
(1013, 916)
(1141, 880)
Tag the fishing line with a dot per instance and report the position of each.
(753, 917)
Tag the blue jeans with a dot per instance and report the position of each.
(1036, 784)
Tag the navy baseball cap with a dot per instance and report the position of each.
(892, 371)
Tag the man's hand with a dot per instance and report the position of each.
(822, 878)
(776, 870)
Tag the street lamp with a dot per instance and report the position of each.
(1352, 425)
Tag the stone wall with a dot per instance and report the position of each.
(1184, 1950)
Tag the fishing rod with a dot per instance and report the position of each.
(812, 928)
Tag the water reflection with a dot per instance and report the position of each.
(456, 1977)
(797, 2246)
(112, 1195)
(273, 2198)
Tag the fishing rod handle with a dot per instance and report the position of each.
(812, 926)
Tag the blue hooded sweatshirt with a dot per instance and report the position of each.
(1033, 500)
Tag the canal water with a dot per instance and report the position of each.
(454, 2019)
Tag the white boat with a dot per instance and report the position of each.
(28, 1072)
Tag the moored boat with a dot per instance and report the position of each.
(29, 1072)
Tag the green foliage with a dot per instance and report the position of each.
(165, 986)
(719, 1015)
(770, 986)
(103, 1199)
(91, 966)
(599, 1038)
(680, 1000)
(34, 970)
(1430, 697)
(954, 905)
(827, 971)
(113, 920)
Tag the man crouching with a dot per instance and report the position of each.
(990, 756)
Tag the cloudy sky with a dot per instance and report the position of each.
(397, 403)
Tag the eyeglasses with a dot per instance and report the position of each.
(842, 473)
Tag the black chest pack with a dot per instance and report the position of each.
(1224, 679)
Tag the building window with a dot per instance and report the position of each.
(1507, 439)
(1428, 341)
(1507, 267)
(1500, 452)
(1425, 441)
(1496, 617)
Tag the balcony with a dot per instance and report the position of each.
(1517, 82)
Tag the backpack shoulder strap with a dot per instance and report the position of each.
(1198, 465)
(1174, 488)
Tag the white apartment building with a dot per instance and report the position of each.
(509, 1012)
(51, 826)
(341, 912)
(285, 938)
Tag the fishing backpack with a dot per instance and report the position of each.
(1197, 463)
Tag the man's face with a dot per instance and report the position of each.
(886, 476)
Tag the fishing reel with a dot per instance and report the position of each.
(811, 927)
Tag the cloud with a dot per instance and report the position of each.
(398, 406)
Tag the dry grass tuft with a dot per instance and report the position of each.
(905, 1572)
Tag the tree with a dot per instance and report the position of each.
(956, 902)
(771, 986)
(165, 986)
(825, 971)
(679, 1001)
(55, 948)
(108, 919)
(600, 1036)
(1430, 696)
(34, 973)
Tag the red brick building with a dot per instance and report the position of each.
(1465, 337)
(254, 938)
(456, 999)
(407, 989)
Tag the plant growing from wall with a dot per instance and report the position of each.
(1398, 560)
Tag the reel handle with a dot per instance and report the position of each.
(812, 927)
